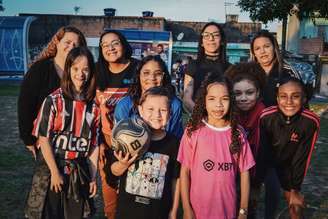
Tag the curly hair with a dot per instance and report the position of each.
(50, 50)
(223, 43)
(135, 89)
(199, 113)
(251, 71)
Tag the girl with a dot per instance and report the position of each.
(212, 150)
(66, 128)
(151, 72)
(147, 187)
(211, 57)
(247, 81)
(43, 78)
(115, 68)
(288, 133)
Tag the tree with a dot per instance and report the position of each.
(269, 10)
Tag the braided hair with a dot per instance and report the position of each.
(199, 113)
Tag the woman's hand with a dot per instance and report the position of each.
(56, 182)
(32, 149)
(92, 189)
(296, 198)
(102, 157)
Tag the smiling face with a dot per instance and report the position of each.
(246, 94)
(66, 44)
(112, 48)
(263, 51)
(290, 98)
(79, 72)
(211, 40)
(155, 111)
(217, 102)
(151, 75)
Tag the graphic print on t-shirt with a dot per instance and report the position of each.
(147, 176)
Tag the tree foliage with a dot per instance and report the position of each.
(269, 10)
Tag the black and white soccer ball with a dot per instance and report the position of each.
(131, 135)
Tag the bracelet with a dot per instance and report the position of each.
(243, 211)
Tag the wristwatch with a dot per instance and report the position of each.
(243, 211)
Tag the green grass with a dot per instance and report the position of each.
(16, 163)
(9, 89)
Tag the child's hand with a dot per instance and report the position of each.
(125, 161)
(189, 214)
(56, 182)
(296, 199)
(173, 214)
(242, 216)
(93, 188)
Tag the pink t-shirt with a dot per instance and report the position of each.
(213, 170)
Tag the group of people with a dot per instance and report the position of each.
(248, 125)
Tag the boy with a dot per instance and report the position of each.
(148, 186)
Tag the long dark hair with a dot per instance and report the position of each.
(102, 64)
(135, 90)
(199, 113)
(223, 44)
(273, 40)
(89, 87)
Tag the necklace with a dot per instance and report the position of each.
(121, 68)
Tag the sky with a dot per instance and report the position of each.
(180, 10)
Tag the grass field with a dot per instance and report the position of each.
(16, 164)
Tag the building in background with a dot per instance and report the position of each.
(145, 33)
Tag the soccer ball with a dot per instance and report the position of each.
(131, 135)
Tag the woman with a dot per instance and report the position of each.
(43, 78)
(151, 72)
(265, 51)
(115, 68)
(211, 57)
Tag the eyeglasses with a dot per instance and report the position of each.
(157, 75)
(113, 44)
(208, 36)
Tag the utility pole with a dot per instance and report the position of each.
(226, 4)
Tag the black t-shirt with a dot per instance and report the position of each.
(145, 189)
(123, 79)
(198, 69)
